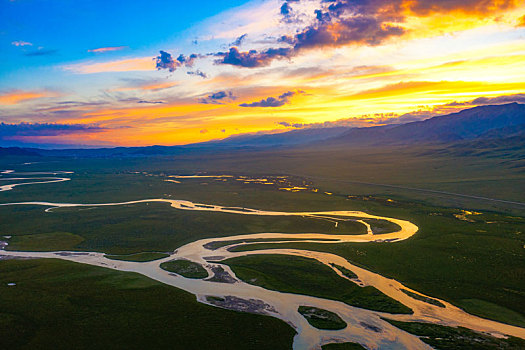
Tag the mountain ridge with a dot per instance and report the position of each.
(480, 124)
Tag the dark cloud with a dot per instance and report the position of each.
(40, 53)
(289, 15)
(150, 102)
(198, 73)
(292, 125)
(345, 22)
(252, 58)
(81, 103)
(482, 101)
(239, 40)
(272, 101)
(357, 22)
(356, 30)
(44, 129)
(218, 97)
(165, 61)
(365, 120)
(203, 131)
(286, 9)
(187, 61)
(337, 24)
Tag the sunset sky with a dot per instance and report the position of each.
(113, 73)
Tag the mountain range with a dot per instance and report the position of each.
(494, 125)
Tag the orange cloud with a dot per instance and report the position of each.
(127, 65)
(477, 7)
(17, 96)
(413, 92)
(521, 22)
(107, 49)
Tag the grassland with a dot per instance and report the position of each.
(50, 241)
(140, 227)
(371, 171)
(300, 275)
(63, 305)
(449, 258)
(476, 265)
(185, 268)
(344, 271)
(322, 319)
(450, 338)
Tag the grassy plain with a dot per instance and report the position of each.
(322, 319)
(49, 241)
(63, 305)
(478, 264)
(450, 338)
(344, 271)
(185, 268)
(141, 227)
(293, 274)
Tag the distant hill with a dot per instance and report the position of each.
(479, 122)
(238, 142)
(115, 152)
(294, 137)
(17, 151)
(501, 126)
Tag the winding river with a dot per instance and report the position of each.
(365, 327)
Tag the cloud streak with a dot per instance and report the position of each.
(107, 49)
(38, 53)
(125, 65)
(21, 43)
(45, 129)
(146, 85)
(15, 97)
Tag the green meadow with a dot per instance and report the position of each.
(63, 305)
(475, 261)
(300, 275)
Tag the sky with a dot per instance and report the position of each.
(136, 73)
